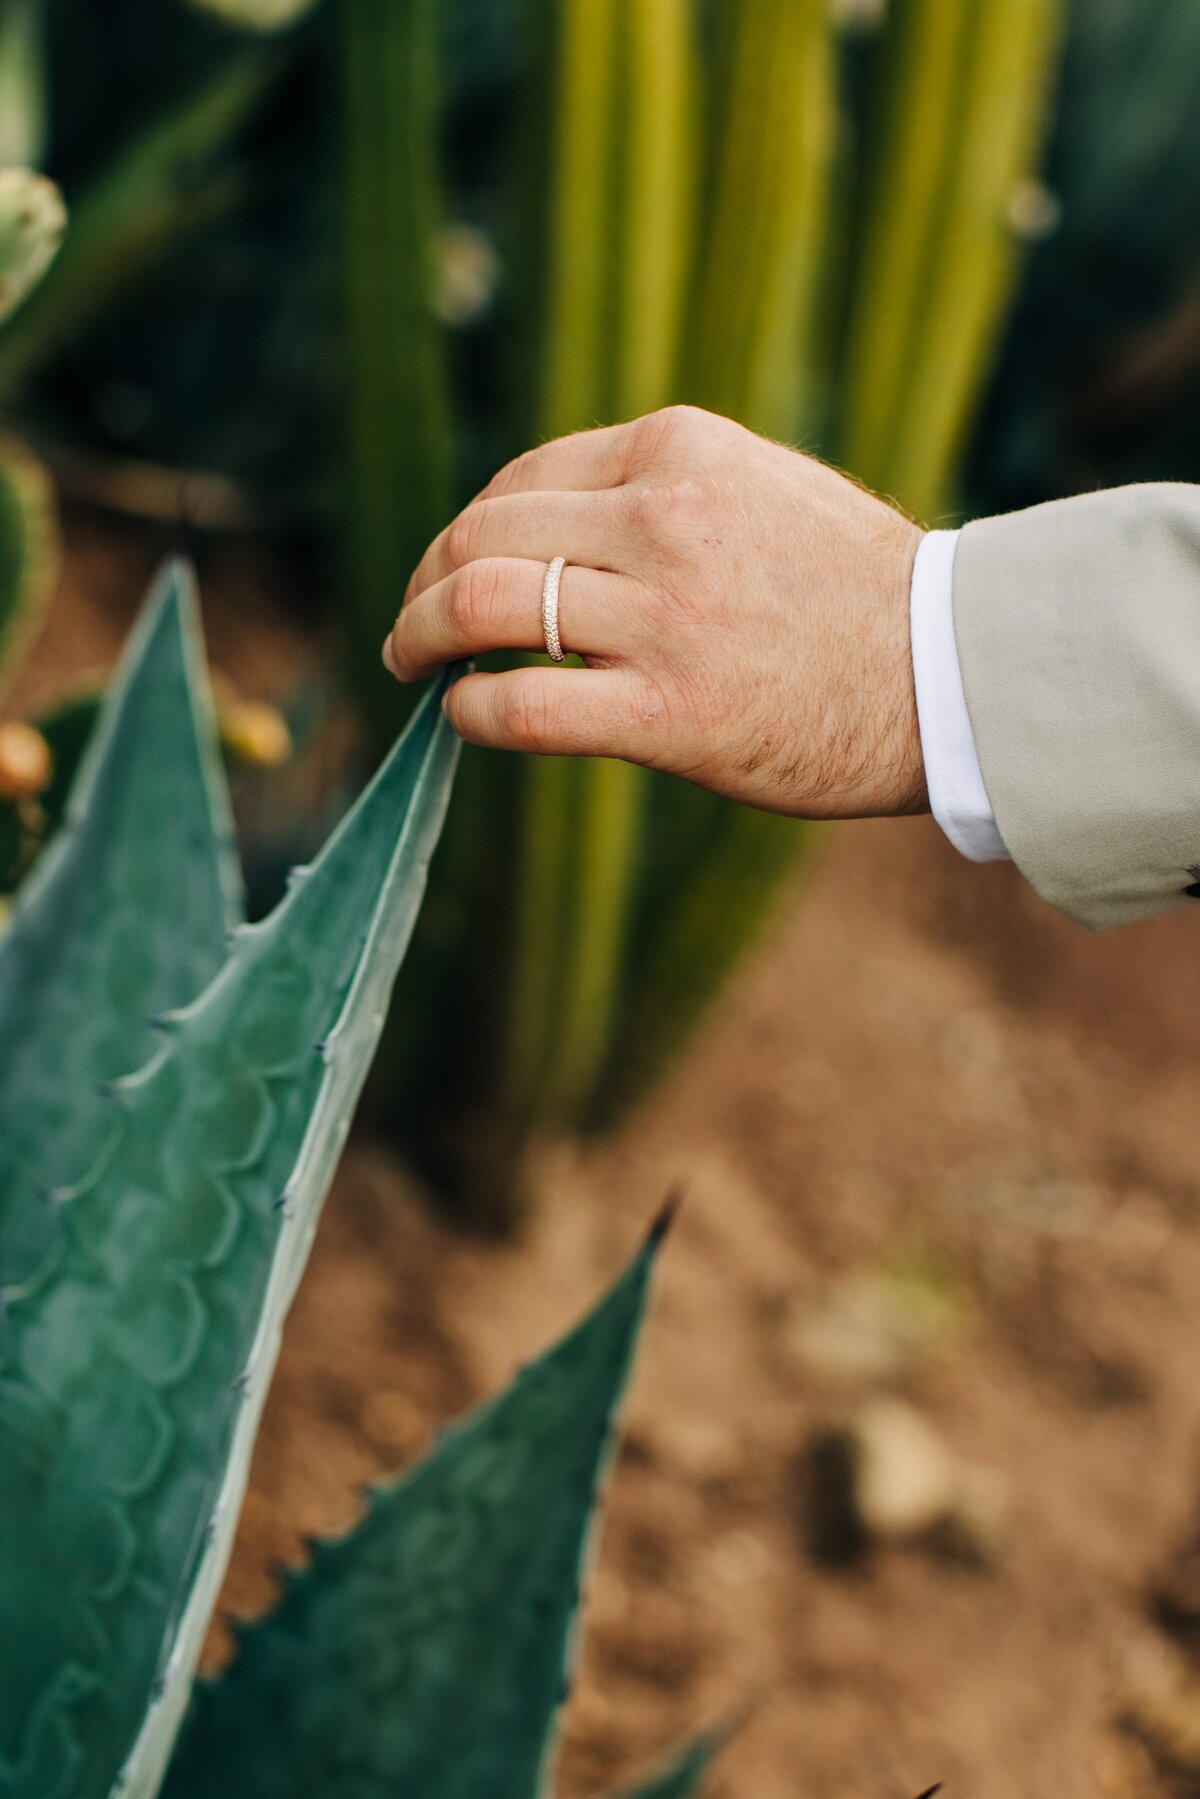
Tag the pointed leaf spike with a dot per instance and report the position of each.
(684, 1774)
(438, 1633)
(122, 919)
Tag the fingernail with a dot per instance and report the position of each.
(389, 661)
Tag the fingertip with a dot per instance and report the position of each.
(449, 708)
(389, 658)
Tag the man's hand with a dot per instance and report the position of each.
(742, 611)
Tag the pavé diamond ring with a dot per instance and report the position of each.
(550, 585)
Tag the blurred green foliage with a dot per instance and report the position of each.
(1098, 376)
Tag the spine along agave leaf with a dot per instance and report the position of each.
(32, 222)
(134, 1364)
(425, 1653)
(683, 1775)
(125, 917)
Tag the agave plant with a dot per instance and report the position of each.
(154, 1225)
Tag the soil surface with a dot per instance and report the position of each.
(930, 1106)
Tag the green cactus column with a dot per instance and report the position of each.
(398, 478)
(624, 98)
(22, 83)
(963, 90)
(761, 258)
(751, 354)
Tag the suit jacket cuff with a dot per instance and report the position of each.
(1078, 633)
(957, 796)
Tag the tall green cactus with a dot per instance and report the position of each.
(751, 348)
(753, 354)
(398, 477)
(22, 84)
(621, 213)
(964, 88)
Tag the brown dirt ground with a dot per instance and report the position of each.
(920, 1065)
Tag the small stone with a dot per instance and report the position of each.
(739, 1559)
(700, 1449)
(888, 1477)
(392, 1422)
(872, 1328)
(906, 1480)
(1161, 1694)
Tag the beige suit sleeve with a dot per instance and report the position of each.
(1078, 633)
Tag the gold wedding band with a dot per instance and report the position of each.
(550, 586)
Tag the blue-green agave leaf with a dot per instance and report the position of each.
(125, 917)
(426, 1652)
(683, 1774)
(134, 1364)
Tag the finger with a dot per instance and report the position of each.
(554, 712)
(586, 528)
(585, 461)
(496, 604)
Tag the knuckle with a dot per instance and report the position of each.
(526, 716)
(399, 650)
(665, 512)
(672, 427)
(471, 601)
(463, 536)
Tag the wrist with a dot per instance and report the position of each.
(898, 785)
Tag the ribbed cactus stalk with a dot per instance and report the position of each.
(751, 353)
(761, 259)
(622, 214)
(976, 252)
(22, 84)
(32, 222)
(574, 359)
(398, 480)
(963, 94)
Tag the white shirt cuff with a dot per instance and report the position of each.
(957, 796)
